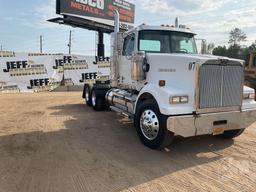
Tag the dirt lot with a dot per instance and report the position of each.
(54, 142)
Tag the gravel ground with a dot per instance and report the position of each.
(54, 142)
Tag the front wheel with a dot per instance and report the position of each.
(151, 126)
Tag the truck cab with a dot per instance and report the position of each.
(166, 88)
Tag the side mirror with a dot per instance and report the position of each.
(145, 66)
(139, 66)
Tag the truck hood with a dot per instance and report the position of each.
(199, 58)
(180, 72)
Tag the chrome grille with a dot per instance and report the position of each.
(220, 85)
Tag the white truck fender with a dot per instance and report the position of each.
(162, 97)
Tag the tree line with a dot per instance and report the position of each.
(234, 49)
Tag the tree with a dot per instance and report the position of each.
(252, 47)
(220, 51)
(235, 51)
(236, 36)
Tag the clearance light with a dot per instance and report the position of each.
(162, 83)
(178, 99)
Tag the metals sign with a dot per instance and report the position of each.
(100, 11)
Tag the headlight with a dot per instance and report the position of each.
(249, 96)
(178, 99)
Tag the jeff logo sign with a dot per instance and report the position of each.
(70, 63)
(28, 72)
(88, 76)
(24, 68)
(15, 65)
(61, 62)
(39, 83)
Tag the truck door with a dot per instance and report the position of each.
(125, 64)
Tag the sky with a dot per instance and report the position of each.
(22, 23)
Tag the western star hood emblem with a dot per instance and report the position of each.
(167, 70)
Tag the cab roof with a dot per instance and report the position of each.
(165, 28)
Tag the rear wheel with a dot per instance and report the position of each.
(98, 101)
(232, 133)
(87, 95)
(151, 125)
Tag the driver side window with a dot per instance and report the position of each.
(186, 45)
(129, 43)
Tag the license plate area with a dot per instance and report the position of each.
(218, 130)
(219, 127)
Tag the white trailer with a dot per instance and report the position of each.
(162, 84)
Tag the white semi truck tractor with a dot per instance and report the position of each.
(166, 88)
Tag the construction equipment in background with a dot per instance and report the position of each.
(250, 70)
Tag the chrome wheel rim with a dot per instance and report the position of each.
(93, 99)
(149, 124)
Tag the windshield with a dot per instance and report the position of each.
(156, 41)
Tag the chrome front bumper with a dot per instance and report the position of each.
(203, 124)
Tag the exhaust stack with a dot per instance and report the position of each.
(116, 48)
(117, 21)
(177, 22)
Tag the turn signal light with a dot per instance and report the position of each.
(162, 83)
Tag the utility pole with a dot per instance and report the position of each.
(70, 42)
(96, 43)
(1, 49)
(41, 44)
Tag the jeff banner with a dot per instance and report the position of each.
(25, 72)
(100, 11)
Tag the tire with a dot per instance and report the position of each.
(151, 125)
(232, 134)
(98, 101)
(87, 95)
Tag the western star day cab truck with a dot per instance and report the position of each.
(160, 82)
